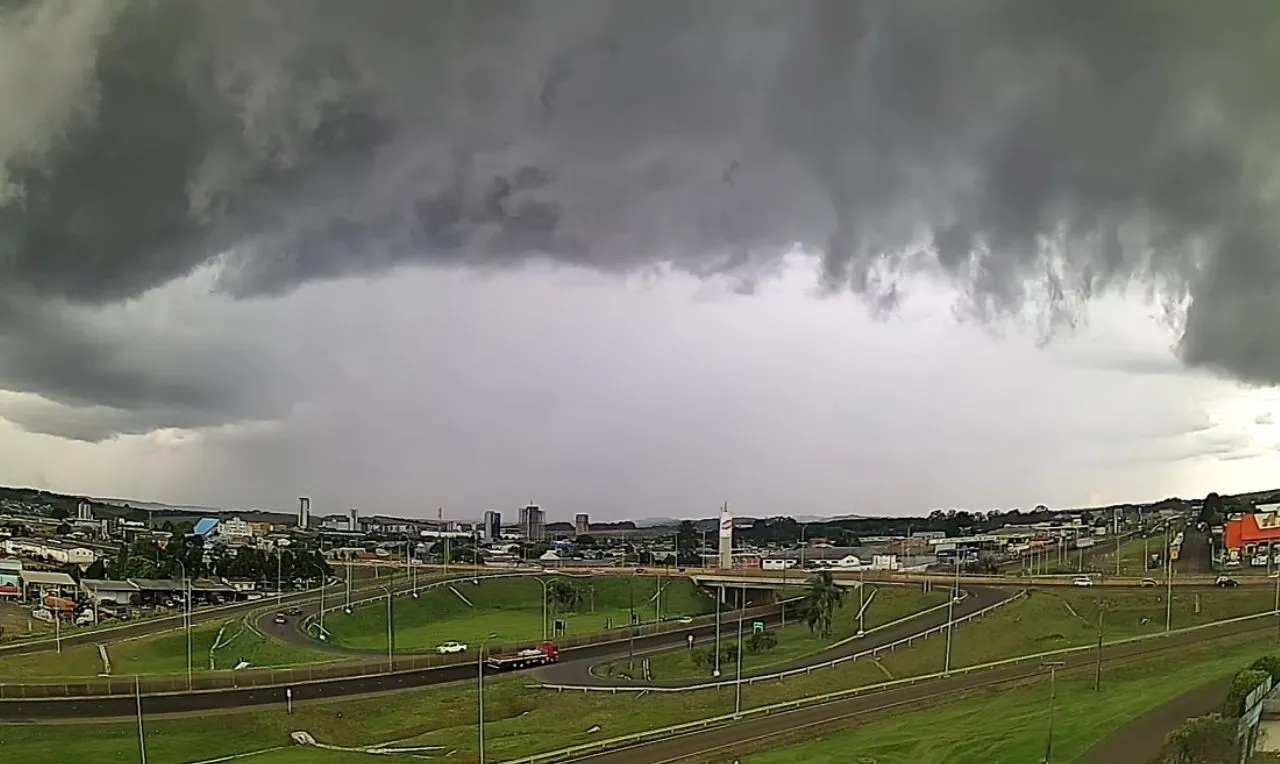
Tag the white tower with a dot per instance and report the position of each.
(726, 538)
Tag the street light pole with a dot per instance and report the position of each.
(186, 616)
(862, 598)
(1053, 667)
(279, 578)
(544, 608)
(391, 644)
(480, 692)
(737, 685)
(1097, 672)
(137, 698)
(951, 621)
(1168, 578)
(720, 598)
(1277, 607)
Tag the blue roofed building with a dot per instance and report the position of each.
(206, 526)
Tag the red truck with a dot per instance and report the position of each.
(541, 655)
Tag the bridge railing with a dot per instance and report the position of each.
(871, 653)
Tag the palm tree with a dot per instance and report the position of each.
(821, 603)
(565, 596)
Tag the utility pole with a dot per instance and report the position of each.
(1277, 607)
(720, 598)
(142, 741)
(1053, 667)
(737, 685)
(951, 621)
(1168, 578)
(1097, 671)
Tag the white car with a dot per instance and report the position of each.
(1082, 581)
(451, 647)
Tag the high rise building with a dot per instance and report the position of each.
(533, 523)
(84, 511)
(304, 511)
(353, 520)
(581, 524)
(491, 529)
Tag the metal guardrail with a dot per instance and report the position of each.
(873, 653)
(597, 746)
(339, 668)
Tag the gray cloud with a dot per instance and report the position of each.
(1038, 153)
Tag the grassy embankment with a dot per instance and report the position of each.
(513, 609)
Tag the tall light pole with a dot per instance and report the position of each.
(480, 692)
(279, 577)
(737, 685)
(1276, 576)
(324, 582)
(951, 621)
(720, 598)
(803, 528)
(391, 643)
(1053, 667)
(544, 607)
(186, 616)
(1097, 671)
(347, 608)
(862, 597)
(137, 698)
(1168, 581)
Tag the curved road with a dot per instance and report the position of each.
(576, 660)
(578, 672)
(735, 739)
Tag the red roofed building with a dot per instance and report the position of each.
(1248, 536)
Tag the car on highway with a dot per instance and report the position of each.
(280, 620)
(1226, 581)
(293, 611)
(451, 647)
(1148, 583)
(1082, 581)
(685, 619)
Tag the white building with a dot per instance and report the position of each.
(235, 529)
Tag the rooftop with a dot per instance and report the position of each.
(48, 578)
(104, 585)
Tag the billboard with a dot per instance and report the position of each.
(10, 586)
(726, 525)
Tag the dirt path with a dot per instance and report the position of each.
(1140, 741)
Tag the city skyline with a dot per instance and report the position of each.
(637, 259)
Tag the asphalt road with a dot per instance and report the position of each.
(753, 733)
(1142, 738)
(581, 657)
(578, 672)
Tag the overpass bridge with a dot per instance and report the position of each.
(756, 580)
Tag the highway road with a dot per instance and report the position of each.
(578, 672)
(736, 739)
(132, 629)
(580, 657)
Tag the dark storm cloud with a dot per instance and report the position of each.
(1038, 153)
(131, 382)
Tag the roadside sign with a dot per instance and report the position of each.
(757, 627)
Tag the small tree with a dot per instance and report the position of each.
(1202, 740)
(762, 642)
(821, 602)
(1269, 664)
(1241, 685)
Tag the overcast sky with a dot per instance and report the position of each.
(629, 258)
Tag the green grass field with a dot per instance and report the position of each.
(512, 608)
(522, 720)
(1010, 725)
(161, 654)
(796, 640)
